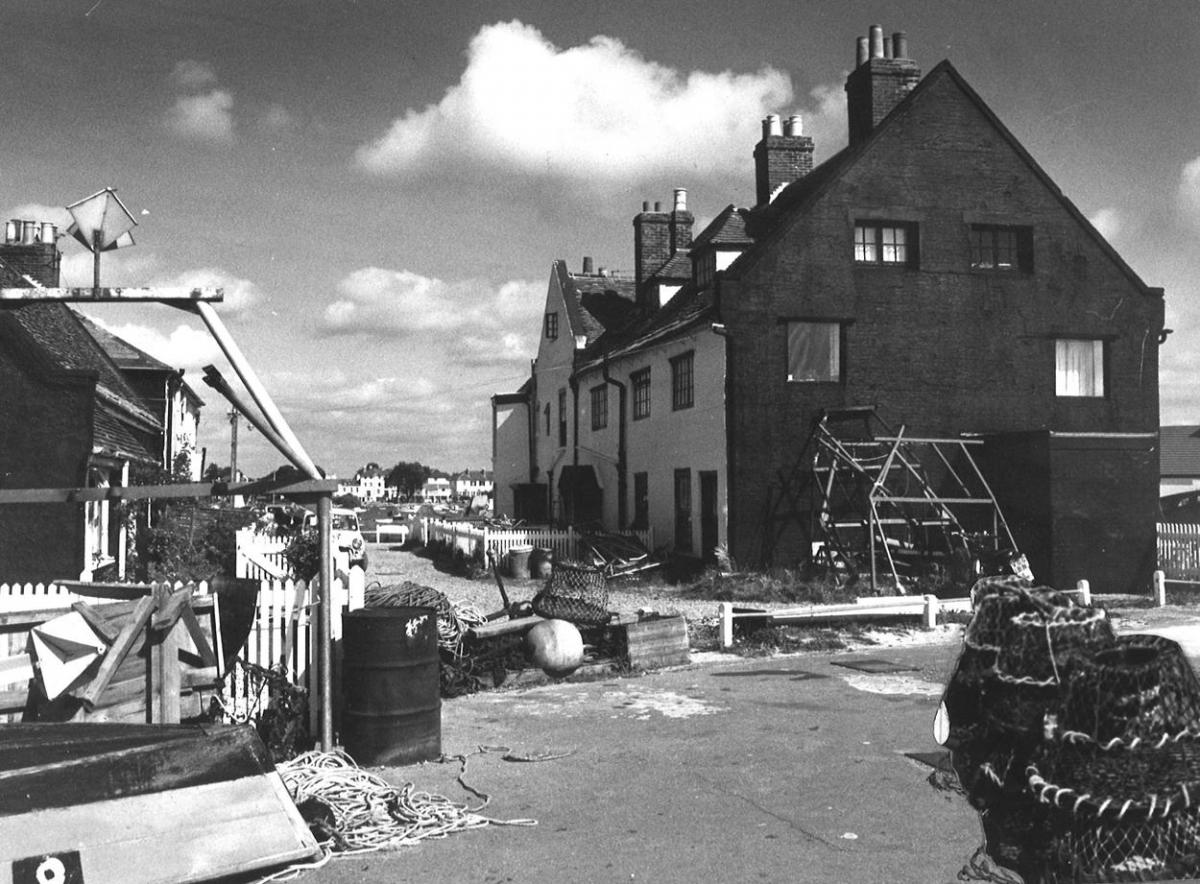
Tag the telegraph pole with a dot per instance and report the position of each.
(233, 442)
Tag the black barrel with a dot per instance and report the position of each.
(390, 682)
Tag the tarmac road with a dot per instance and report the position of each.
(787, 769)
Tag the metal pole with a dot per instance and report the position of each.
(324, 532)
(259, 393)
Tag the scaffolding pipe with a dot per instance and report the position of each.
(325, 534)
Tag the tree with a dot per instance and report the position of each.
(214, 472)
(408, 477)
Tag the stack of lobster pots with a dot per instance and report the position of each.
(1079, 748)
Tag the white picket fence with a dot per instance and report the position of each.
(474, 540)
(283, 633)
(261, 556)
(1179, 550)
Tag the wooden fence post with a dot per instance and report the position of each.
(1160, 588)
(1085, 592)
(725, 610)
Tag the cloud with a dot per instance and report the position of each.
(393, 303)
(38, 212)
(240, 294)
(598, 112)
(1109, 222)
(117, 268)
(206, 117)
(185, 346)
(1189, 192)
(190, 75)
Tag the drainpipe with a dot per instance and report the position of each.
(622, 466)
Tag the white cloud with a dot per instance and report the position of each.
(191, 75)
(1109, 222)
(206, 117)
(1189, 191)
(599, 111)
(185, 346)
(388, 303)
(117, 268)
(240, 294)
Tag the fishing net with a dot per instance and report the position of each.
(576, 593)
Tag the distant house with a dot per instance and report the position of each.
(931, 270)
(470, 483)
(370, 483)
(436, 489)
(1179, 459)
(68, 418)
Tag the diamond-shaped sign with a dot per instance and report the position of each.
(101, 220)
(65, 647)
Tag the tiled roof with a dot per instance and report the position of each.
(678, 266)
(597, 304)
(123, 353)
(1179, 451)
(728, 228)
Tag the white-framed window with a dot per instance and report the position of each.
(1079, 367)
(885, 242)
(814, 352)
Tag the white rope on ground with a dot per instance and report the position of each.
(371, 814)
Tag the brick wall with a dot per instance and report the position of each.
(44, 442)
(38, 260)
(780, 160)
(651, 245)
(874, 88)
(941, 349)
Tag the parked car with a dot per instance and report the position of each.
(347, 536)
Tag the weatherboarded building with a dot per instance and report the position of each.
(931, 270)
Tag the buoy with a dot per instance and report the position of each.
(556, 647)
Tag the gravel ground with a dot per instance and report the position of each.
(391, 566)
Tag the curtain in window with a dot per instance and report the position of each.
(813, 351)
(1079, 368)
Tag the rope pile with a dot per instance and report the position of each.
(356, 811)
(453, 620)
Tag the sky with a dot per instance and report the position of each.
(381, 188)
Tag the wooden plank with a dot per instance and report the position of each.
(119, 649)
(195, 834)
(162, 492)
(165, 677)
(18, 667)
(114, 293)
(658, 642)
(504, 627)
(96, 621)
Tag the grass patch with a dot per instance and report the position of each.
(782, 586)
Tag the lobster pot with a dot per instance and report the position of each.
(1123, 813)
(575, 593)
(391, 670)
(1141, 687)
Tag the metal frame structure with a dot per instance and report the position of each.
(906, 505)
(271, 422)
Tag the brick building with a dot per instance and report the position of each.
(69, 418)
(930, 269)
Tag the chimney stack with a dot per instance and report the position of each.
(30, 249)
(587, 265)
(783, 156)
(652, 235)
(884, 75)
(681, 223)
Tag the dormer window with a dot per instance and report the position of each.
(889, 243)
(551, 326)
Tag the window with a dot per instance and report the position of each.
(562, 418)
(885, 242)
(641, 500)
(1005, 249)
(641, 393)
(1079, 367)
(599, 407)
(814, 351)
(682, 390)
(552, 325)
(683, 510)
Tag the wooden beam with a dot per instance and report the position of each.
(122, 293)
(284, 487)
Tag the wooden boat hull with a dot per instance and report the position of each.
(141, 804)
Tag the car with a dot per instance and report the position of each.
(408, 509)
(346, 534)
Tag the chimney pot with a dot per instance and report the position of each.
(771, 125)
(680, 199)
(793, 126)
(863, 52)
(876, 33)
(899, 45)
(49, 232)
(12, 231)
(587, 266)
(29, 232)
(657, 206)
(645, 205)
(887, 47)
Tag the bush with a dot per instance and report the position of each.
(304, 555)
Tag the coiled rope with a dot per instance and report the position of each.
(370, 814)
